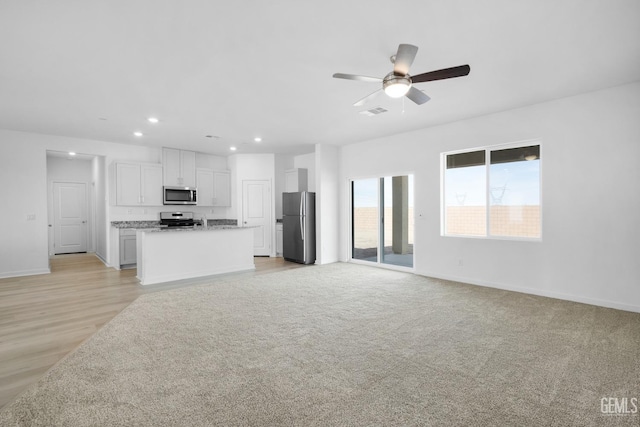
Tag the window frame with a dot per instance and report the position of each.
(488, 149)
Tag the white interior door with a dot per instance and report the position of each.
(69, 217)
(256, 212)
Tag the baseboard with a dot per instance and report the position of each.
(21, 273)
(101, 258)
(539, 292)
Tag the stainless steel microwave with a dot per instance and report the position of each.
(180, 195)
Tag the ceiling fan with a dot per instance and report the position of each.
(399, 83)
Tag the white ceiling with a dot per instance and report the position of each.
(235, 70)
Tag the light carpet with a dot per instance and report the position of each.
(343, 344)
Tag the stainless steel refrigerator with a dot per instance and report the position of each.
(299, 227)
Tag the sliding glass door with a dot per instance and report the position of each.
(365, 219)
(382, 220)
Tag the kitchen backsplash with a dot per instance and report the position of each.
(152, 213)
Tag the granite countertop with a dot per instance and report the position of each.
(211, 223)
(135, 224)
(194, 228)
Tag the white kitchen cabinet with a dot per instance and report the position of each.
(214, 187)
(204, 182)
(138, 184)
(179, 167)
(128, 249)
(221, 188)
(295, 180)
(127, 184)
(151, 184)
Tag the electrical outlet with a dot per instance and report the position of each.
(129, 211)
(460, 263)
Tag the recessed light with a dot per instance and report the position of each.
(71, 153)
(232, 148)
(138, 134)
(257, 139)
(153, 120)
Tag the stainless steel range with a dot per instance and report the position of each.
(178, 219)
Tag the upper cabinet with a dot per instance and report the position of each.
(214, 187)
(179, 167)
(295, 180)
(204, 182)
(138, 184)
(221, 188)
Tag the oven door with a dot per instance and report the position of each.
(179, 196)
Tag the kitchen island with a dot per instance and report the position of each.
(170, 254)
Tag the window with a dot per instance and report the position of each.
(382, 220)
(492, 192)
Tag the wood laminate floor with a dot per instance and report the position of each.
(44, 317)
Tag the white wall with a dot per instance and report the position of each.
(102, 225)
(283, 162)
(23, 171)
(327, 206)
(590, 198)
(308, 162)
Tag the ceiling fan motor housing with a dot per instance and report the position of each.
(396, 85)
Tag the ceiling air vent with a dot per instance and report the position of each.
(374, 111)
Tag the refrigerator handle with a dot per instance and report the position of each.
(303, 220)
(301, 202)
(302, 215)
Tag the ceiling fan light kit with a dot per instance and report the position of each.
(396, 86)
(399, 83)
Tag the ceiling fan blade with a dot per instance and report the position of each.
(359, 78)
(367, 98)
(404, 58)
(445, 73)
(417, 96)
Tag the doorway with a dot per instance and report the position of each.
(70, 215)
(382, 220)
(256, 212)
(68, 170)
